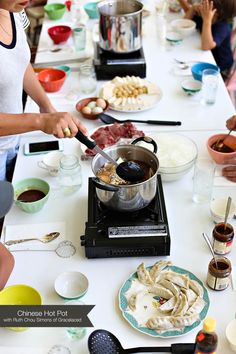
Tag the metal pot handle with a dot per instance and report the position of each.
(104, 186)
(147, 140)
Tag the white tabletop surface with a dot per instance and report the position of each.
(187, 220)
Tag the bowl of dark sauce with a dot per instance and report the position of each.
(222, 153)
(31, 194)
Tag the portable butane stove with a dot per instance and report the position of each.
(109, 233)
(108, 65)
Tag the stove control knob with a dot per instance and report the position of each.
(82, 237)
(82, 243)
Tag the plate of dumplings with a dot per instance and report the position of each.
(163, 300)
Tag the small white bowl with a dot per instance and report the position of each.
(174, 37)
(184, 27)
(230, 333)
(71, 285)
(218, 207)
(191, 86)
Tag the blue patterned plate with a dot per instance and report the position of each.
(127, 313)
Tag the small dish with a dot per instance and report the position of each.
(218, 207)
(174, 37)
(65, 68)
(71, 285)
(191, 86)
(230, 333)
(86, 102)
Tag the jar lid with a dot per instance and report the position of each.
(69, 162)
(209, 324)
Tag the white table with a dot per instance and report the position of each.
(187, 220)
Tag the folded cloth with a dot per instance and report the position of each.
(17, 232)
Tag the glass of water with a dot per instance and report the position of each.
(210, 79)
(204, 172)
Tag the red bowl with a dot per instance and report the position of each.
(59, 33)
(52, 79)
(222, 158)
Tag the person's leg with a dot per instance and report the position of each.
(3, 162)
(10, 162)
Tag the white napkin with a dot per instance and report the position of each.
(16, 232)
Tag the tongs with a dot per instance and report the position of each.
(102, 341)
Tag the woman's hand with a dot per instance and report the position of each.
(58, 124)
(229, 172)
(231, 123)
(207, 11)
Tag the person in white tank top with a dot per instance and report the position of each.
(16, 74)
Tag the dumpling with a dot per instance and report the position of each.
(191, 295)
(176, 278)
(196, 307)
(183, 321)
(196, 287)
(160, 323)
(157, 268)
(143, 275)
(182, 307)
(168, 305)
(170, 286)
(160, 291)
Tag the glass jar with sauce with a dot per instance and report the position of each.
(223, 235)
(219, 271)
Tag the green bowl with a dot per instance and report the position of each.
(65, 68)
(55, 11)
(191, 86)
(91, 10)
(30, 184)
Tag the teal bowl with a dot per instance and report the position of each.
(91, 10)
(33, 189)
(198, 68)
(65, 68)
(55, 11)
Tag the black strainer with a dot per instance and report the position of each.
(104, 342)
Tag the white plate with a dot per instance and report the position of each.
(148, 100)
(147, 303)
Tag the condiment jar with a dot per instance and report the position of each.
(70, 173)
(223, 235)
(87, 78)
(218, 276)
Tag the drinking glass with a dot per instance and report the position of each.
(70, 177)
(87, 78)
(79, 37)
(204, 171)
(75, 333)
(210, 79)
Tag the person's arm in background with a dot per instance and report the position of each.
(230, 171)
(207, 12)
(185, 5)
(190, 10)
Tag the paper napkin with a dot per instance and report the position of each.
(16, 232)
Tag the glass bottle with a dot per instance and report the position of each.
(206, 339)
(70, 177)
(219, 270)
(87, 78)
(223, 235)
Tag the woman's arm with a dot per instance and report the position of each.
(33, 88)
(50, 123)
(185, 5)
(207, 12)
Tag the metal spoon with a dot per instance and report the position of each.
(210, 246)
(218, 145)
(107, 119)
(45, 239)
(228, 205)
(127, 170)
(104, 342)
(53, 50)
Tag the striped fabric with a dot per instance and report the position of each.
(24, 19)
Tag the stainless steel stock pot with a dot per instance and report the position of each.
(120, 25)
(132, 197)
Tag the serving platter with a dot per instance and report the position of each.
(122, 94)
(148, 304)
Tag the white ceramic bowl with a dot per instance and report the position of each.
(191, 86)
(218, 207)
(71, 285)
(174, 37)
(184, 27)
(231, 334)
(176, 153)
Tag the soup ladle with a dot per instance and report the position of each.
(128, 170)
(104, 342)
(107, 119)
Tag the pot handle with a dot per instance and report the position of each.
(104, 187)
(147, 140)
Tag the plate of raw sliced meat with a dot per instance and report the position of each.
(108, 135)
